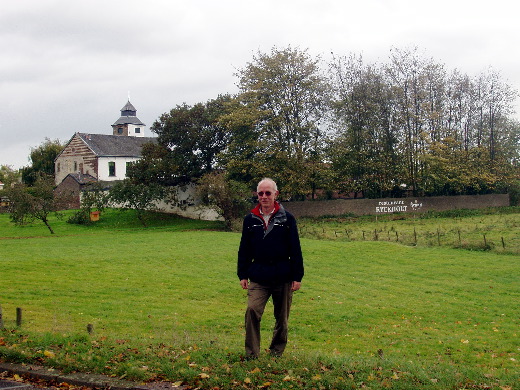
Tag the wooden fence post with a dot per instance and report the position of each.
(18, 316)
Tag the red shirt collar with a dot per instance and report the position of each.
(256, 210)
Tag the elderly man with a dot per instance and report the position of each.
(270, 264)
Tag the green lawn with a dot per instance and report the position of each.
(165, 304)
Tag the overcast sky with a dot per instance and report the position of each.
(68, 66)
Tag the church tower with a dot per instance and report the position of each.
(128, 124)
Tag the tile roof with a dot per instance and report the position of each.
(128, 107)
(82, 178)
(128, 120)
(115, 145)
(128, 116)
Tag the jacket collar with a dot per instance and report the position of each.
(256, 211)
(278, 216)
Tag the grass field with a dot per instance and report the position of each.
(165, 304)
(495, 229)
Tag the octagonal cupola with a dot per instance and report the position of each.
(128, 124)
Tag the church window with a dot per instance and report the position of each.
(119, 130)
(137, 130)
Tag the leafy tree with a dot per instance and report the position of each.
(95, 196)
(363, 152)
(8, 175)
(241, 157)
(286, 91)
(42, 160)
(35, 203)
(189, 140)
(155, 167)
(230, 198)
(409, 121)
(137, 196)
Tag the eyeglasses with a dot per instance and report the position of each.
(267, 193)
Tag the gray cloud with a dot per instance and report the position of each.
(68, 66)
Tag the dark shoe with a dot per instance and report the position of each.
(250, 357)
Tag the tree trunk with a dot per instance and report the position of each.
(46, 222)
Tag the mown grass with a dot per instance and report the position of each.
(112, 219)
(165, 304)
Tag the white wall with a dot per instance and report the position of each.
(132, 133)
(103, 172)
(187, 204)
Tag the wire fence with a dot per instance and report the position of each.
(455, 237)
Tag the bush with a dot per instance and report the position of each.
(81, 217)
(230, 198)
(514, 194)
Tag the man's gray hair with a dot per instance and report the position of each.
(268, 180)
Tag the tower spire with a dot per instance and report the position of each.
(128, 124)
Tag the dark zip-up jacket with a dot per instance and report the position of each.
(270, 254)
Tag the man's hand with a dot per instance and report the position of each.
(296, 286)
(244, 283)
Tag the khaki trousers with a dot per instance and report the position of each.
(258, 295)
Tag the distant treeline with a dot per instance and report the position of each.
(346, 126)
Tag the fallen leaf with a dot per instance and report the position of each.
(316, 377)
(49, 354)
(247, 380)
(203, 375)
(256, 370)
